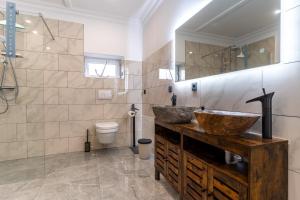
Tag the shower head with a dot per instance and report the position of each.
(18, 26)
(241, 55)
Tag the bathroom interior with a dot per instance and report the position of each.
(149, 99)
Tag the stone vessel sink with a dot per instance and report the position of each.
(174, 114)
(224, 122)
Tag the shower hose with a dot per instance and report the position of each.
(7, 61)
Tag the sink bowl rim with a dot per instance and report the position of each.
(228, 113)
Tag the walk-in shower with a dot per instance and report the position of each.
(10, 27)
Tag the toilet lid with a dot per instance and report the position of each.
(107, 125)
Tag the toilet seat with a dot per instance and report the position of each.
(107, 130)
(107, 126)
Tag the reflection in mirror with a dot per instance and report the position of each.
(228, 36)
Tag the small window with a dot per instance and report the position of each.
(103, 67)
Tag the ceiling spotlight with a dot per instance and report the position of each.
(28, 21)
(190, 52)
(48, 48)
(277, 12)
(35, 32)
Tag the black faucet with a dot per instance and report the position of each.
(266, 101)
(174, 99)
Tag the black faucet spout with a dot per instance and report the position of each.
(174, 100)
(266, 101)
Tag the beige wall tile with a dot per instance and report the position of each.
(8, 132)
(75, 128)
(30, 131)
(34, 42)
(75, 47)
(35, 78)
(51, 95)
(55, 79)
(76, 144)
(21, 77)
(35, 113)
(78, 80)
(30, 95)
(13, 150)
(134, 96)
(70, 30)
(59, 45)
(55, 146)
(55, 113)
(116, 111)
(36, 148)
(51, 130)
(71, 63)
(37, 60)
(53, 26)
(85, 112)
(15, 114)
(76, 96)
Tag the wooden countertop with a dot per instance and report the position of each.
(193, 130)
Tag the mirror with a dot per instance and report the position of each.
(228, 36)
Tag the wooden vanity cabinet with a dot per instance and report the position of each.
(194, 164)
(168, 159)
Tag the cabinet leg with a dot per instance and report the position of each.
(157, 175)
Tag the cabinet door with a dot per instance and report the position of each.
(195, 178)
(223, 187)
(160, 154)
(173, 165)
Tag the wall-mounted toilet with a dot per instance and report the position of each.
(106, 131)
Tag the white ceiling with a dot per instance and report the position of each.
(246, 17)
(121, 9)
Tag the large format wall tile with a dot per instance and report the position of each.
(288, 128)
(35, 78)
(54, 113)
(55, 146)
(36, 148)
(75, 128)
(51, 95)
(116, 111)
(286, 98)
(75, 47)
(55, 79)
(78, 80)
(30, 131)
(59, 45)
(15, 114)
(76, 96)
(76, 144)
(52, 130)
(231, 91)
(37, 60)
(70, 30)
(35, 113)
(85, 112)
(294, 181)
(13, 150)
(30, 95)
(71, 63)
(8, 132)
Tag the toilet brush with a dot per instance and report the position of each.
(87, 144)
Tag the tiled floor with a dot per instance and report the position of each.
(112, 174)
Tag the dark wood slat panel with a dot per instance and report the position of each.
(218, 195)
(225, 189)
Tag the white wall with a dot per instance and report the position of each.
(102, 35)
(169, 16)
